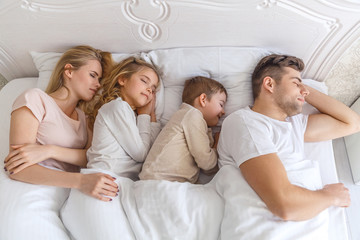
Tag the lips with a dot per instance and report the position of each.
(147, 97)
(301, 100)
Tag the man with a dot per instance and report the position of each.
(266, 140)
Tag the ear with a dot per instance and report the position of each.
(68, 70)
(268, 84)
(121, 81)
(202, 99)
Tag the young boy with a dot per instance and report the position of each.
(186, 145)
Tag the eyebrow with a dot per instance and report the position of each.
(94, 72)
(299, 79)
(145, 77)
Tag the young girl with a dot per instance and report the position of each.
(125, 125)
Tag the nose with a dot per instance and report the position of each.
(97, 83)
(304, 91)
(149, 90)
(222, 112)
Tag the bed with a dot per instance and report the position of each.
(218, 39)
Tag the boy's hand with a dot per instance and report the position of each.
(216, 139)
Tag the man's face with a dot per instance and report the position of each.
(290, 93)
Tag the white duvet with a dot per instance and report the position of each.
(226, 208)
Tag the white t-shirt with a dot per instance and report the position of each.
(121, 139)
(246, 134)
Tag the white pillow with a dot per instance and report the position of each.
(46, 62)
(232, 66)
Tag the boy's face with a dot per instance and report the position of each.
(214, 108)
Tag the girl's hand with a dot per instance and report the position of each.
(149, 108)
(152, 114)
(25, 155)
(99, 185)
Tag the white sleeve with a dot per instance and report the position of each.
(133, 137)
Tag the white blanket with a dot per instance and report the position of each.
(226, 208)
(150, 209)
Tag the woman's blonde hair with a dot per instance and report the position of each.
(110, 88)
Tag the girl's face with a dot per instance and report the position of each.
(140, 88)
(84, 82)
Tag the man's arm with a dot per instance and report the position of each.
(335, 119)
(267, 176)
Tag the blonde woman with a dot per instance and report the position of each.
(48, 132)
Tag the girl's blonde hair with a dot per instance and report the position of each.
(110, 88)
(77, 56)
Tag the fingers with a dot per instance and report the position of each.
(14, 162)
(16, 146)
(103, 187)
(18, 168)
(10, 155)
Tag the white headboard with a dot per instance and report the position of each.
(318, 31)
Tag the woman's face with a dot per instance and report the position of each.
(84, 82)
(139, 89)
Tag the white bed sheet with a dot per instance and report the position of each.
(144, 196)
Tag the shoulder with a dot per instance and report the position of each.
(238, 115)
(30, 97)
(191, 114)
(116, 108)
(116, 105)
(34, 93)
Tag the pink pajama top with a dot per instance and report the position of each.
(55, 127)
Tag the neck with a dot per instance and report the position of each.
(269, 109)
(66, 101)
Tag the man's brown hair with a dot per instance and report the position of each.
(196, 86)
(273, 66)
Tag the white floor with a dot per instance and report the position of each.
(345, 176)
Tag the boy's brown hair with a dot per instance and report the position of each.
(273, 66)
(196, 86)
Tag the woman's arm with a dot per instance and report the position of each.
(97, 185)
(23, 130)
(24, 151)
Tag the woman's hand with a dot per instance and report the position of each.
(25, 155)
(99, 185)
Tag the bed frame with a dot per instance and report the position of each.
(321, 32)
